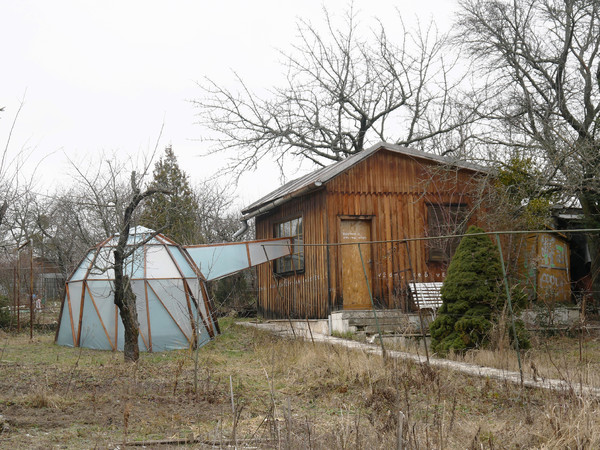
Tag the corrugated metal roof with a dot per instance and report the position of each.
(316, 179)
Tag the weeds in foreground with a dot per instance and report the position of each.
(562, 357)
(285, 394)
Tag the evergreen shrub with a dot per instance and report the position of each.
(472, 295)
(5, 318)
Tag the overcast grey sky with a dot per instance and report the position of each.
(106, 75)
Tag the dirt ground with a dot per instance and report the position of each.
(255, 389)
(83, 399)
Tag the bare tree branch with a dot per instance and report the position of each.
(342, 93)
(544, 99)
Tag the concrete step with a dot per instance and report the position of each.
(390, 329)
(383, 321)
(389, 321)
(357, 314)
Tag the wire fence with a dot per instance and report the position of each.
(31, 291)
(550, 274)
(550, 268)
(548, 278)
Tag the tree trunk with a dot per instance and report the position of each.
(3, 209)
(125, 301)
(124, 296)
(130, 323)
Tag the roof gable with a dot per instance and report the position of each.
(315, 180)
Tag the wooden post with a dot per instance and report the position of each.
(19, 284)
(14, 293)
(18, 292)
(30, 290)
(400, 440)
(372, 303)
(510, 309)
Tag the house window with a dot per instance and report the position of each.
(445, 220)
(295, 261)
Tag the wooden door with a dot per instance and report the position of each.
(355, 291)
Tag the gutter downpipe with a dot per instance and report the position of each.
(273, 204)
(242, 229)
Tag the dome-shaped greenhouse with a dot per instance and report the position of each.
(170, 296)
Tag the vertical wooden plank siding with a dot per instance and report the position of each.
(391, 189)
(308, 287)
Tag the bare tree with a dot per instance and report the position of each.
(114, 204)
(12, 183)
(5, 182)
(541, 63)
(62, 232)
(124, 297)
(215, 220)
(343, 92)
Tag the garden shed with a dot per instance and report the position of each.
(379, 196)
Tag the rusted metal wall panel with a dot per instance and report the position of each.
(545, 265)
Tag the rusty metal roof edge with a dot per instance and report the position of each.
(314, 180)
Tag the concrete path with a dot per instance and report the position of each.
(283, 329)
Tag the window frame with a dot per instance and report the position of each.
(458, 215)
(292, 227)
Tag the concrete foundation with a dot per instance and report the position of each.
(397, 325)
(551, 317)
(394, 324)
(390, 321)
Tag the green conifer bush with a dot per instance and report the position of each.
(174, 215)
(5, 318)
(472, 295)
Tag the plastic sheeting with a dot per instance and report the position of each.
(167, 281)
(218, 261)
(163, 314)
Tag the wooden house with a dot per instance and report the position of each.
(378, 197)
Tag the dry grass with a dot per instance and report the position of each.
(564, 356)
(286, 394)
